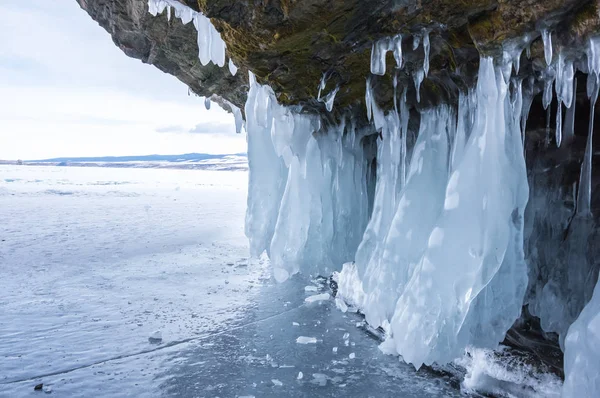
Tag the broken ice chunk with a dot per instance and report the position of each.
(306, 340)
(155, 337)
(317, 297)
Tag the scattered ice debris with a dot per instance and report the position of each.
(352, 355)
(317, 297)
(346, 336)
(276, 382)
(334, 349)
(300, 376)
(295, 324)
(310, 288)
(155, 337)
(306, 340)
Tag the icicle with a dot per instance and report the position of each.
(404, 116)
(207, 103)
(426, 48)
(558, 130)
(369, 99)
(378, 56)
(397, 48)
(569, 130)
(169, 13)
(517, 60)
(547, 39)
(584, 195)
(322, 84)
(416, 41)
(330, 98)
(418, 78)
(527, 101)
(547, 97)
(239, 120)
(232, 68)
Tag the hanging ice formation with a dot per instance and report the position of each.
(307, 200)
(453, 226)
(438, 250)
(211, 46)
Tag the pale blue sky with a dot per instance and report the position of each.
(67, 90)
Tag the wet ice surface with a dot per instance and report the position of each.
(95, 262)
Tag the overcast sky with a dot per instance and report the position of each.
(67, 90)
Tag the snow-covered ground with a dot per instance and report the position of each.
(95, 261)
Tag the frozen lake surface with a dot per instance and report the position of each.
(137, 282)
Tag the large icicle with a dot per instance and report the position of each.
(398, 247)
(584, 193)
(474, 257)
(211, 46)
(267, 174)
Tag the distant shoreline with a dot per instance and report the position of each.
(215, 162)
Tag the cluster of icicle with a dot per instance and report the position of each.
(441, 263)
(307, 197)
(439, 260)
(211, 46)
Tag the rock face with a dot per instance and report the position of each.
(291, 45)
(168, 45)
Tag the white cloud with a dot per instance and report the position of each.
(66, 90)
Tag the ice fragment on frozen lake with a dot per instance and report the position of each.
(155, 337)
(334, 349)
(295, 324)
(352, 355)
(319, 378)
(310, 288)
(317, 297)
(276, 382)
(300, 376)
(306, 340)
